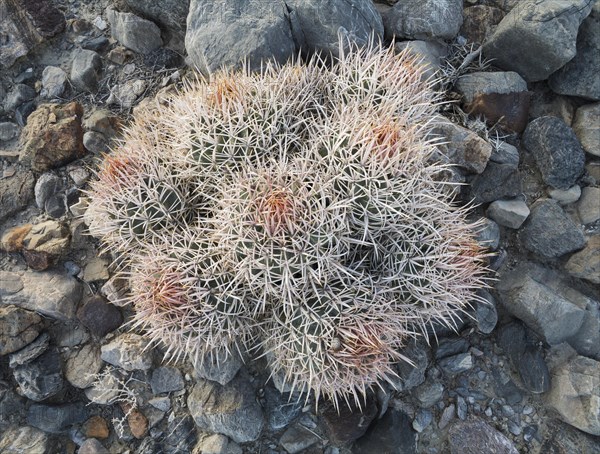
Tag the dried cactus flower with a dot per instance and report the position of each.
(300, 208)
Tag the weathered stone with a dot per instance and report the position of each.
(127, 93)
(85, 70)
(537, 38)
(488, 234)
(391, 434)
(411, 375)
(46, 186)
(585, 264)
(231, 410)
(497, 181)
(96, 427)
(428, 394)
(587, 127)
(135, 33)
(423, 19)
(169, 14)
(8, 131)
(588, 206)
(486, 315)
(476, 436)
(430, 54)
(42, 377)
(17, 440)
(51, 238)
(54, 82)
(53, 136)
(297, 438)
(479, 22)
(566, 196)
(212, 444)
(56, 418)
(348, 423)
(92, 446)
(138, 423)
(224, 35)
(166, 380)
(17, 96)
(104, 122)
(99, 316)
(505, 153)
(358, 21)
(30, 351)
(12, 408)
(128, 351)
(509, 213)
(15, 193)
(83, 365)
(51, 294)
(181, 434)
(456, 364)
(220, 368)
(463, 147)
(96, 270)
(12, 240)
(18, 328)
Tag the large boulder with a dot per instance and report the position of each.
(424, 19)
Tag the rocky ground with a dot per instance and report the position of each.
(521, 375)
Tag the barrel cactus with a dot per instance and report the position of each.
(298, 213)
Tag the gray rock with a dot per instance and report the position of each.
(588, 206)
(105, 389)
(92, 446)
(488, 234)
(161, 403)
(473, 84)
(424, 19)
(83, 365)
(46, 186)
(586, 341)
(133, 32)
(549, 231)
(566, 196)
(231, 410)
(587, 127)
(392, 434)
(579, 77)
(537, 38)
(54, 82)
(17, 440)
(18, 328)
(8, 131)
(85, 70)
(497, 181)
(280, 412)
(575, 393)
(50, 293)
(127, 93)
(476, 436)
(316, 25)
(297, 438)
(30, 352)
(448, 415)
(224, 35)
(463, 147)
(56, 418)
(431, 54)
(18, 95)
(538, 297)
(180, 434)
(556, 150)
(15, 193)
(221, 367)
(486, 315)
(347, 423)
(212, 444)
(428, 394)
(169, 14)
(585, 264)
(505, 153)
(95, 142)
(128, 351)
(457, 363)
(42, 377)
(509, 213)
(423, 419)
(411, 375)
(166, 379)
(451, 346)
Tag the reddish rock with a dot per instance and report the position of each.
(12, 240)
(38, 260)
(96, 427)
(138, 423)
(510, 110)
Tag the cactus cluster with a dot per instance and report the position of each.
(298, 212)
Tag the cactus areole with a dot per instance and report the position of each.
(298, 213)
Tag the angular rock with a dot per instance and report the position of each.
(26, 440)
(25, 24)
(56, 418)
(42, 377)
(479, 22)
(497, 181)
(12, 240)
(424, 19)
(99, 316)
(224, 35)
(457, 363)
(212, 444)
(95, 142)
(537, 38)
(51, 294)
(488, 234)
(220, 368)
(505, 153)
(585, 264)
(8, 131)
(166, 380)
(428, 394)
(509, 213)
(30, 351)
(85, 70)
(411, 375)
(588, 206)
(104, 122)
(358, 21)
(579, 77)
(83, 365)
(297, 438)
(587, 127)
(126, 94)
(54, 82)
(575, 393)
(17, 96)
(231, 410)
(128, 351)
(169, 14)
(476, 436)
(391, 434)
(15, 193)
(135, 33)
(586, 341)
(549, 231)
(46, 186)
(486, 315)
(556, 150)
(463, 147)
(538, 297)
(18, 328)
(53, 136)
(348, 423)
(422, 420)
(92, 446)
(181, 434)
(45, 243)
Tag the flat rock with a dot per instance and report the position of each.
(128, 351)
(297, 438)
(18, 328)
(588, 206)
(315, 24)
(585, 264)
(587, 127)
(238, 30)
(82, 366)
(42, 377)
(423, 19)
(463, 147)
(230, 410)
(52, 294)
(486, 315)
(56, 418)
(456, 364)
(537, 38)
(556, 150)
(30, 351)
(92, 446)
(166, 380)
(566, 196)
(53, 136)
(392, 434)
(135, 33)
(549, 231)
(476, 436)
(509, 213)
(26, 440)
(15, 193)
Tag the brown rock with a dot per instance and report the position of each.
(585, 264)
(53, 136)
(38, 261)
(478, 22)
(44, 244)
(510, 110)
(12, 240)
(18, 328)
(138, 423)
(96, 427)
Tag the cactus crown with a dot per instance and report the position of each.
(299, 209)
